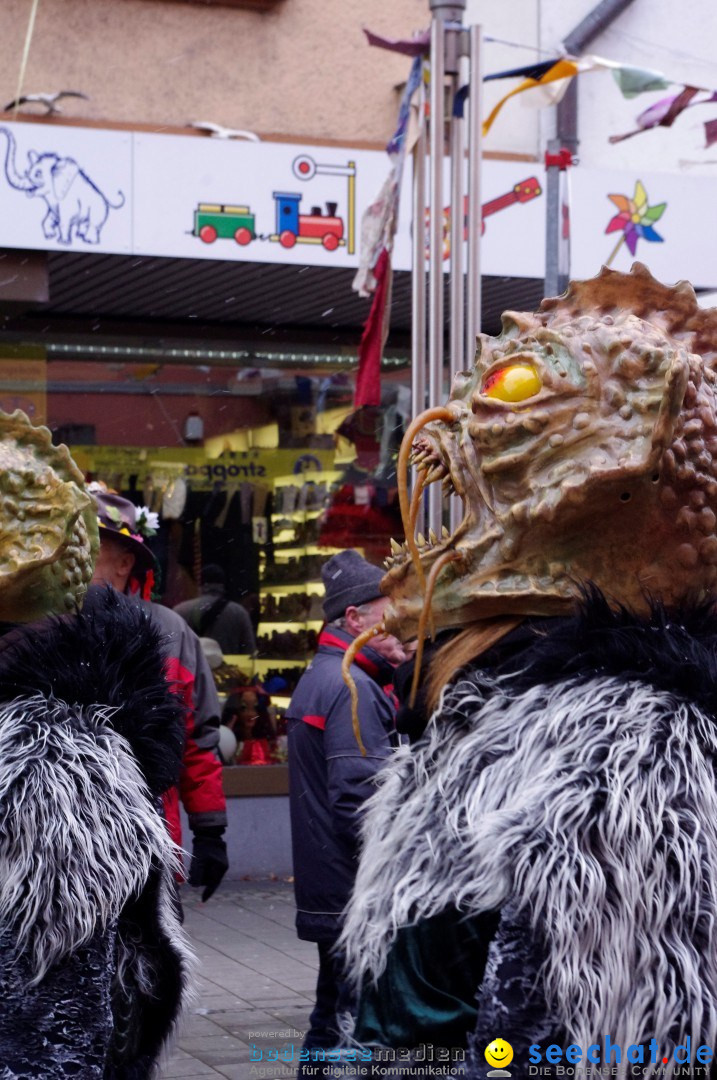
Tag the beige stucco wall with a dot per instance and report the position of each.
(303, 67)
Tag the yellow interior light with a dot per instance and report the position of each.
(513, 383)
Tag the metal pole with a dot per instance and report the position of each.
(435, 265)
(418, 277)
(552, 220)
(475, 212)
(458, 213)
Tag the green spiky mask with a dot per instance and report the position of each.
(48, 524)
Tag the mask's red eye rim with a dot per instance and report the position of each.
(520, 380)
(490, 380)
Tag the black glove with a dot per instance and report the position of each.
(209, 862)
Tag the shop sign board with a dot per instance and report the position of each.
(97, 190)
(115, 465)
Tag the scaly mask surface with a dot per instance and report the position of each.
(584, 447)
(48, 524)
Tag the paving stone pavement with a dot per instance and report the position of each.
(255, 988)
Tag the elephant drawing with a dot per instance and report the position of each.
(75, 205)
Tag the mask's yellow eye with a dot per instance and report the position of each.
(514, 383)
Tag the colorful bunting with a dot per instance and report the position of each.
(561, 70)
(551, 79)
(530, 71)
(419, 45)
(633, 81)
(664, 113)
(635, 219)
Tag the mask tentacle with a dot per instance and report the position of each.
(416, 495)
(355, 647)
(438, 413)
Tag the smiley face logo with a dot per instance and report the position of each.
(499, 1053)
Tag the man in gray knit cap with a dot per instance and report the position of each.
(330, 779)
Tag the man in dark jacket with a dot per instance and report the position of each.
(329, 778)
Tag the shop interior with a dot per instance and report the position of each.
(262, 471)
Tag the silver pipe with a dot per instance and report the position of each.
(475, 212)
(552, 223)
(447, 9)
(458, 223)
(458, 193)
(435, 273)
(418, 278)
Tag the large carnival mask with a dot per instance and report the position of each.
(584, 447)
(48, 524)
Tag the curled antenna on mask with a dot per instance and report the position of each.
(439, 413)
(355, 647)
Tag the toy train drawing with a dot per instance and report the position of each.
(216, 221)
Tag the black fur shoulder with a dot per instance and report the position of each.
(110, 654)
(673, 650)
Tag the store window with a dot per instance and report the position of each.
(257, 476)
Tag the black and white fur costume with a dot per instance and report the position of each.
(93, 963)
(575, 794)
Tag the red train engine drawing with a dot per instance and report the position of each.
(314, 228)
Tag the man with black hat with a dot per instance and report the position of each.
(127, 564)
(329, 778)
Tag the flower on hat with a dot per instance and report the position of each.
(146, 522)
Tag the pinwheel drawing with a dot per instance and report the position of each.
(635, 219)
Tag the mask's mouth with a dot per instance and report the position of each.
(428, 556)
(435, 458)
(441, 552)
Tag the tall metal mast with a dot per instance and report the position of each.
(450, 173)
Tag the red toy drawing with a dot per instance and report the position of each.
(522, 192)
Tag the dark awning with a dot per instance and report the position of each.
(213, 304)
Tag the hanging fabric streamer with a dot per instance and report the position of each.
(418, 45)
(380, 219)
(375, 274)
(549, 80)
(373, 339)
(665, 112)
(634, 81)
(563, 69)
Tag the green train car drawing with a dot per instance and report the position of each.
(217, 221)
